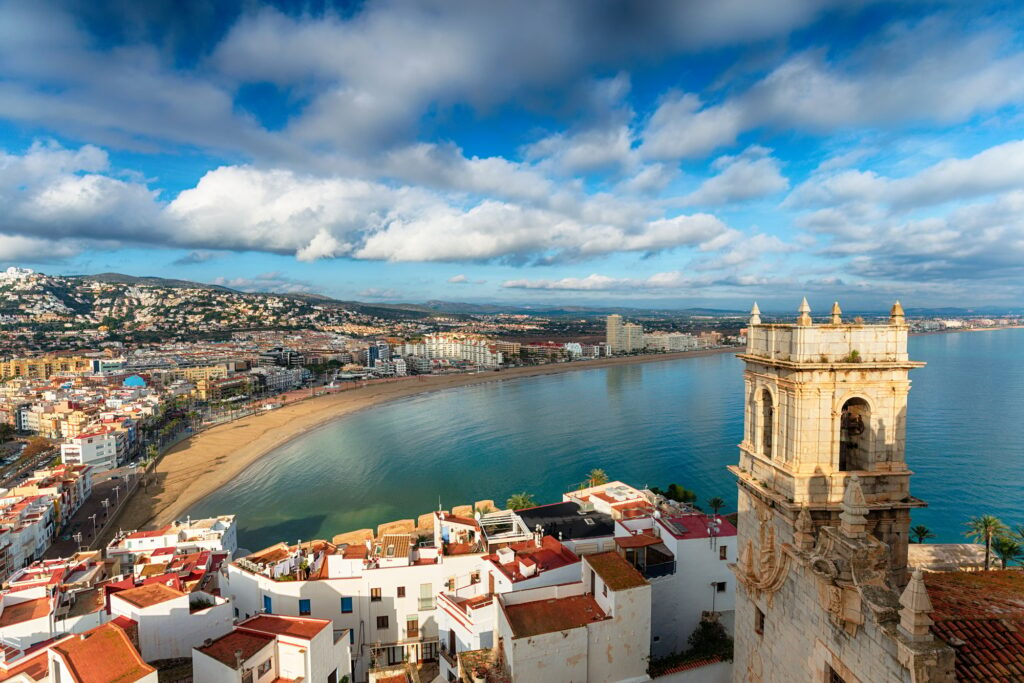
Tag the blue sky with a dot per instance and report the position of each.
(651, 154)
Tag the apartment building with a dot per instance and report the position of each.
(213, 534)
(102, 449)
(476, 350)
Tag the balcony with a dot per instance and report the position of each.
(653, 571)
(426, 604)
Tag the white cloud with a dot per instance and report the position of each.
(596, 282)
(750, 175)
(265, 282)
(458, 279)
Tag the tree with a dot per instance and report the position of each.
(1007, 549)
(921, 533)
(520, 501)
(716, 504)
(6, 432)
(597, 477)
(983, 529)
(680, 494)
(35, 446)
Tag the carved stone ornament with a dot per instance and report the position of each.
(763, 572)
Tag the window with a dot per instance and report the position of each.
(412, 626)
(604, 589)
(426, 596)
(346, 605)
(247, 676)
(720, 587)
(304, 608)
(382, 622)
(451, 583)
(474, 577)
(267, 604)
(265, 667)
(723, 552)
(374, 595)
(351, 636)
(767, 423)
(854, 435)
(758, 621)
(834, 677)
(401, 591)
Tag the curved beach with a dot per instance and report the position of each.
(203, 463)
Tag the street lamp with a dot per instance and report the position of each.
(117, 495)
(78, 539)
(106, 507)
(93, 518)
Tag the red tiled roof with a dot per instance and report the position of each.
(688, 666)
(548, 616)
(36, 666)
(149, 534)
(297, 627)
(224, 648)
(550, 555)
(613, 569)
(637, 541)
(981, 614)
(149, 595)
(24, 611)
(102, 655)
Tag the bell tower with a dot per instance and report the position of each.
(823, 403)
(824, 508)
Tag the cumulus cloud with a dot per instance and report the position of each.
(750, 175)
(458, 279)
(604, 283)
(194, 257)
(265, 282)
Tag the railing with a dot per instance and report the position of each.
(449, 657)
(426, 604)
(653, 571)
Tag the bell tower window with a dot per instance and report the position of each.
(854, 453)
(767, 423)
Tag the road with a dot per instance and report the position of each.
(113, 487)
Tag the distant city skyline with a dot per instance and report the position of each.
(610, 154)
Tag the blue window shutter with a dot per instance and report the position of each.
(304, 607)
(267, 604)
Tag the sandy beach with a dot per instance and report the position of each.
(203, 463)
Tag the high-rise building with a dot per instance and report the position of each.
(632, 337)
(613, 332)
(824, 509)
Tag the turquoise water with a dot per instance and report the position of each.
(656, 423)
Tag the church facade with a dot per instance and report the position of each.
(823, 591)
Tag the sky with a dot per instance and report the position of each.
(658, 154)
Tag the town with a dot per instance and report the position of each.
(610, 583)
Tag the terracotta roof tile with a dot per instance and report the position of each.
(297, 627)
(981, 614)
(24, 611)
(102, 655)
(224, 648)
(149, 595)
(548, 616)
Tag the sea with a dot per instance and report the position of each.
(649, 424)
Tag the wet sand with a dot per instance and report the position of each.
(201, 464)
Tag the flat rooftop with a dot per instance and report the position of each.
(550, 616)
(569, 520)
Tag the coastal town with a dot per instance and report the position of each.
(613, 582)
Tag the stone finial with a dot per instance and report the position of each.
(915, 609)
(837, 314)
(804, 319)
(755, 315)
(853, 519)
(804, 536)
(896, 314)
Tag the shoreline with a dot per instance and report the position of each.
(203, 463)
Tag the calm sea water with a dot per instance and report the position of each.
(657, 423)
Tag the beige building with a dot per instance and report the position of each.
(823, 592)
(44, 367)
(623, 337)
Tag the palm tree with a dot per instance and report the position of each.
(921, 533)
(983, 529)
(716, 504)
(597, 477)
(520, 501)
(1007, 549)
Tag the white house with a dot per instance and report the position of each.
(102, 654)
(170, 623)
(100, 449)
(271, 648)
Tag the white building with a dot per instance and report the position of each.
(671, 341)
(102, 654)
(268, 648)
(170, 623)
(215, 534)
(476, 350)
(99, 449)
(595, 630)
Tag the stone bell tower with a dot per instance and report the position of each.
(824, 504)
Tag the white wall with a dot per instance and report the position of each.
(712, 673)
(169, 630)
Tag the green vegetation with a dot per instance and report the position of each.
(1007, 549)
(677, 493)
(597, 477)
(35, 446)
(520, 501)
(716, 504)
(921, 533)
(710, 639)
(984, 529)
